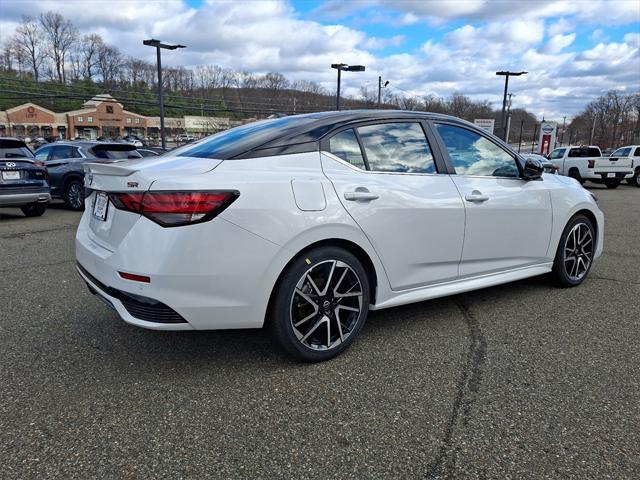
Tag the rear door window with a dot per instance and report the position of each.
(637, 152)
(345, 145)
(397, 147)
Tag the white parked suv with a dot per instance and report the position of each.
(630, 152)
(587, 164)
(305, 223)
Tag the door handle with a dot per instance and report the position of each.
(360, 196)
(476, 197)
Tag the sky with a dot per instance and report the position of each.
(574, 51)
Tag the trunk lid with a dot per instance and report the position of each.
(130, 176)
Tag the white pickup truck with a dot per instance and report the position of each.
(587, 164)
(630, 152)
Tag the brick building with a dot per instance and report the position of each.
(101, 117)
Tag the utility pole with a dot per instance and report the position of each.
(158, 45)
(593, 129)
(503, 120)
(564, 121)
(533, 140)
(520, 139)
(347, 68)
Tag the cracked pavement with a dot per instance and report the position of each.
(517, 381)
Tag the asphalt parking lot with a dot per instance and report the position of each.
(517, 381)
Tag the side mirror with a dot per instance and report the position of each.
(533, 169)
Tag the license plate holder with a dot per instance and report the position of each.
(11, 175)
(100, 206)
(611, 175)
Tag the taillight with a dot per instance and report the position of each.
(38, 163)
(172, 209)
(591, 163)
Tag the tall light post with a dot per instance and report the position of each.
(346, 68)
(158, 44)
(380, 87)
(506, 74)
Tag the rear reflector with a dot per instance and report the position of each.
(172, 209)
(134, 277)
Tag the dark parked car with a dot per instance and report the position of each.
(64, 162)
(23, 180)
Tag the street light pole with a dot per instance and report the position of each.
(380, 86)
(338, 90)
(347, 68)
(158, 45)
(503, 123)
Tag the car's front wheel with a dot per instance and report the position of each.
(320, 304)
(635, 180)
(574, 256)
(74, 195)
(34, 209)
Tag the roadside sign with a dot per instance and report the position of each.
(485, 124)
(547, 141)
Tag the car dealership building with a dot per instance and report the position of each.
(100, 117)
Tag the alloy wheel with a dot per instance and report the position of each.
(75, 194)
(326, 305)
(578, 251)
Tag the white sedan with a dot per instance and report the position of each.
(305, 223)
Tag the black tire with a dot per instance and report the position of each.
(613, 185)
(562, 273)
(575, 174)
(305, 324)
(34, 209)
(635, 180)
(74, 195)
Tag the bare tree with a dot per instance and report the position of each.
(109, 62)
(27, 44)
(91, 45)
(60, 35)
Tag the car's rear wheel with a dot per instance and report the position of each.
(635, 180)
(34, 209)
(74, 195)
(575, 252)
(320, 304)
(613, 185)
(575, 173)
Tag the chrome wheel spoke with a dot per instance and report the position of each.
(578, 251)
(326, 305)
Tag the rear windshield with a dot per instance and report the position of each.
(585, 152)
(235, 141)
(21, 152)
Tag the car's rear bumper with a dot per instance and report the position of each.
(213, 275)
(17, 197)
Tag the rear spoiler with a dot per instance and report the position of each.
(121, 147)
(104, 168)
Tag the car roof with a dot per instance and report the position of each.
(298, 133)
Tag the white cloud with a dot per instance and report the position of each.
(559, 42)
(272, 36)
